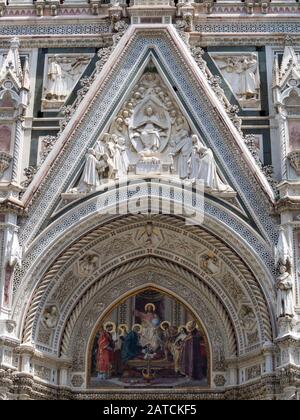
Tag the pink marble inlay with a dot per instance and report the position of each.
(8, 276)
(5, 138)
(294, 133)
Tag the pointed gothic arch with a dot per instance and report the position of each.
(205, 336)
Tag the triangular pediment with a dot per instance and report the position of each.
(150, 134)
(117, 104)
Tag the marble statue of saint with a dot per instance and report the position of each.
(285, 297)
(182, 148)
(204, 167)
(249, 78)
(56, 86)
(98, 163)
(90, 176)
(117, 149)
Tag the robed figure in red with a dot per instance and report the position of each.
(192, 360)
(105, 354)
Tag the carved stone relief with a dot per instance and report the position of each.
(42, 372)
(247, 317)
(61, 74)
(88, 264)
(50, 317)
(241, 72)
(253, 372)
(149, 136)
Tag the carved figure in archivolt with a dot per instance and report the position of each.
(149, 236)
(50, 317)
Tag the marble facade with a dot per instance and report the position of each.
(108, 115)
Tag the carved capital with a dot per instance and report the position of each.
(39, 7)
(294, 158)
(5, 159)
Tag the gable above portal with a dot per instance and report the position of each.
(102, 103)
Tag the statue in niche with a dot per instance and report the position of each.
(285, 296)
(242, 74)
(56, 89)
(204, 167)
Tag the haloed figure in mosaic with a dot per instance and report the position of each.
(149, 341)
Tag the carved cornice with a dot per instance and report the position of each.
(287, 204)
(9, 205)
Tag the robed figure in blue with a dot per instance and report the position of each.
(131, 347)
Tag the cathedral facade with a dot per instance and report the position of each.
(149, 199)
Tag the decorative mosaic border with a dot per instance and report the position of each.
(249, 26)
(55, 29)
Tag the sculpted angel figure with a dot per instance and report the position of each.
(117, 149)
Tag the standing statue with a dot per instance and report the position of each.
(183, 147)
(117, 149)
(204, 167)
(56, 89)
(13, 249)
(249, 78)
(285, 297)
(98, 163)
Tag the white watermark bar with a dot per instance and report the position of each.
(155, 196)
